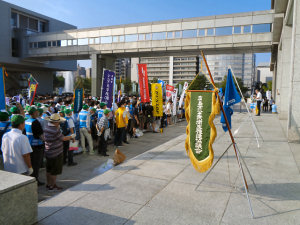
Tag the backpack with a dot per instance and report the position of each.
(65, 128)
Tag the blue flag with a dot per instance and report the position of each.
(161, 82)
(2, 89)
(231, 97)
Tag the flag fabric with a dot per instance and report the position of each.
(174, 100)
(78, 100)
(119, 95)
(107, 87)
(201, 108)
(185, 86)
(2, 89)
(169, 91)
(161, 82)
(143, 83)
(32, 86)
(231, 97)
(157, 101)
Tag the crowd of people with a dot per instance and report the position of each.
(49, 132)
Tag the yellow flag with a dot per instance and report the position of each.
(157, 101)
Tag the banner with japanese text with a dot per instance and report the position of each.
(143, 83)
(185, 86)
(174, 100)
(78, 100)
(108, 87)
(157, 101)
(169, 91)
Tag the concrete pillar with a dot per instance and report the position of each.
(99, 63)
(294, 79)
(171, 70)
(134, 69)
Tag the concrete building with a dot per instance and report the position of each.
(243, 66)
(122, 68)
(285, 65)
(16, 24)
(263, 73)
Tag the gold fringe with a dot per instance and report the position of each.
(205, 164)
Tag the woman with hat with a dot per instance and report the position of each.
(54, 149)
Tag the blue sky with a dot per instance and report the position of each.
(95, 13)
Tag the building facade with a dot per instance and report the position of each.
(16, 24)
(242, 65)
(263, 73)
(122, 68)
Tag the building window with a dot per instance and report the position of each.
(237, 30)
(70, 42)
(49, 44)
(158, 36)
(222, 31)
(83, 41)
(53, 43)
(31, 45)
(115, 39)
(131, 37)
(141, 37)
(210, 32)
(170, 35)
(23, 20)
(121, 38)
(63, 43)
(42, 26)
(35, 45)
(148, 37)
(261, 28)
(247, 29)
(106, 40)
(189, 33)
(42, 44)
(33, 24)
(14, 19)
(75, 42)
(97, 40)
(177, 34)
(92, 40)
(201, 33)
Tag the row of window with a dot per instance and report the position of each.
(24, 21)
(218, 31)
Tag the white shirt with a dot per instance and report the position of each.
(14, 146)
(258, 96)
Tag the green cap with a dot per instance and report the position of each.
(102, 104)
(41, 111)
(68, 111)
(4, 116)
(14, 110)
(17, 120)
(46, 105)
(106, 111)
(85, 107)
(31, 110)
(63, 107)
(39, 105)
(93, 109)
(27, 107)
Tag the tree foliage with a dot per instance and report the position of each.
(127, 85)
(84, 83)
(58, 81)
(200, 83)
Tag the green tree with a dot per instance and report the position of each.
(58, 81)
(200, 83)
(84, 83)
(177, 85)
(269, 85)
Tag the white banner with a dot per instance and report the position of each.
(174, 100)
(185, 86)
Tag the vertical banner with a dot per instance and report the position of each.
(133, 87)
(157, 102)
(114, 91)
(107, 87)
(32, 85)
(169, 91)
(2, 89)
(143, 82)
(174, 100)
(179, 88)
(185, 86)
(122, 88)
(78, 100)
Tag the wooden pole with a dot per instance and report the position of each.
(225, 117)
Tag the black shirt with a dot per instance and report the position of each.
(37, 129)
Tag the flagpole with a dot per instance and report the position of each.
(249, 114)
(230, 133)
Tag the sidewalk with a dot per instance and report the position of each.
(161, 187)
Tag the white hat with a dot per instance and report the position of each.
(55, 118)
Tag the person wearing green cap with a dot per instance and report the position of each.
(85, 129)
(102, 108)
(102, 128)
(16, 148)
(35, 134)
(93, 122)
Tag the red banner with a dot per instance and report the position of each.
(169, 91)
(143, 82)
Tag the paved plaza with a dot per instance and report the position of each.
(161, 187)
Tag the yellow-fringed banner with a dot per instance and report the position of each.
(157, 101)
(201, 108)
